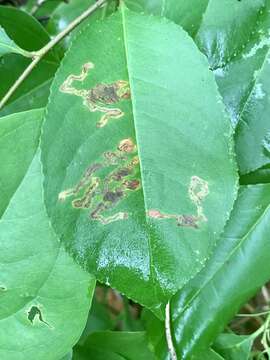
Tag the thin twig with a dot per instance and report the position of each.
(169, 334)
(265, 295)
(36, 7)
(38, 55)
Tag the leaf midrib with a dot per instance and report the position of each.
(151, 266)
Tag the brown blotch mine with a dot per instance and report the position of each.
(102, 94)
(100, 193)
(198, 190)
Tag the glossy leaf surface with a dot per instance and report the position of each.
(225, 347)
(234, 35)
(203, 308)
(134, 223)
(39, 282)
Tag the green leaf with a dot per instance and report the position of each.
(19, 137)
(113, 345)
(234, 35)
(98, 320)
(68, 356)
(9, 46)
(42, 10)
(237, 269)
(182, 12)
(260, 176)
(169, 212)
(44, 295)
(234, 347)
(155, 331)
(28, 33)
(66, 12)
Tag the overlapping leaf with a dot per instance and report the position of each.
(133, 224)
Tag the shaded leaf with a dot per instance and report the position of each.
(98, 320)
(68, 11)
(237, 269)
(260, 176)
(155, 331)
(151, 220)
(27, 32)
(44, 295)
(114, 345)
(186, 13)
(234, 347)
(9, 46)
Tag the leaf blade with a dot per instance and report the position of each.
(102, 245)
(33, 264)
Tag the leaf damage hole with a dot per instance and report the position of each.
(197, 191)
(101, 192)
(3, 288)
(98, 97)
(35, 312)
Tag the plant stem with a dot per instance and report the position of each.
(169, 339)
(38, 55)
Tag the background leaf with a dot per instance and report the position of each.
(235, 272)
(114, 345)
(19, 137)
(27, 32)
(44, 295)
(234, 347)
(186, 13)
(234, 35)
(9, 46)
(139, 256)
(67, 12)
